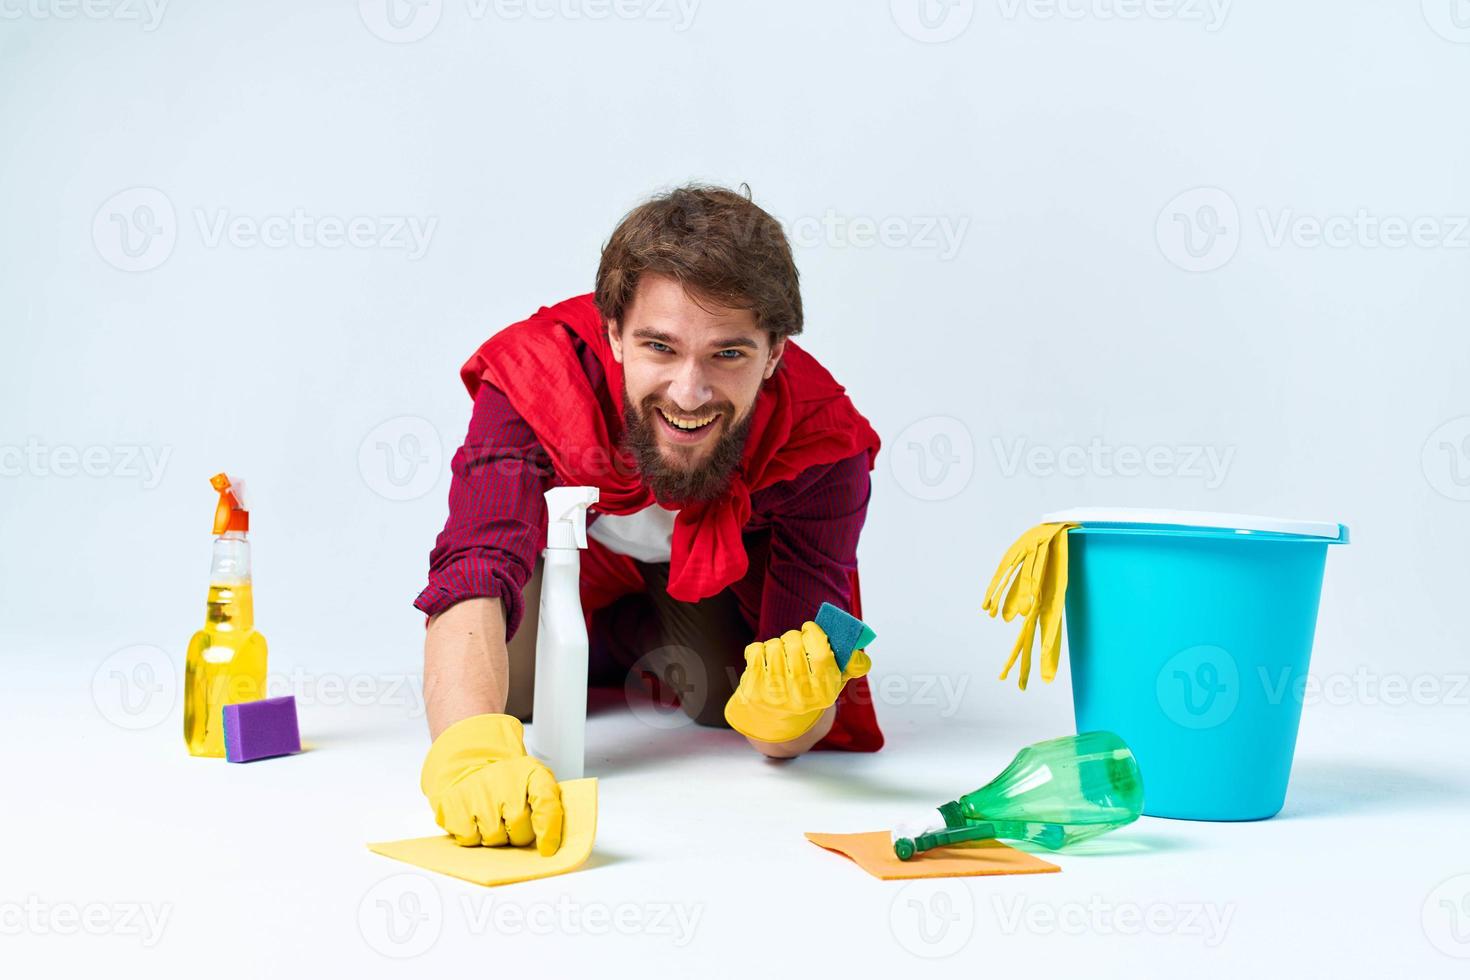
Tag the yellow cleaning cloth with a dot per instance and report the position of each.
(503, 865)
(873, 852)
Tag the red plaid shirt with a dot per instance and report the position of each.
(801, 538)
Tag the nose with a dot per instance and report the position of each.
(689, 391)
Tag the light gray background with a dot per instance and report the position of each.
(1084, 230)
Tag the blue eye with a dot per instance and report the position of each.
(660, 348)
(734, 355)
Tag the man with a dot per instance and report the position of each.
(733, 474)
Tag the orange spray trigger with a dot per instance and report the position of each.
(230, 513)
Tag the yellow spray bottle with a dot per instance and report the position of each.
(226, 659)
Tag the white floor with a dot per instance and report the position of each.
(123, 854)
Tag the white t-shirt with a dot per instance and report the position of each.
(646, 536)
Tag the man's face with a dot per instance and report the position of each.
(691, 374)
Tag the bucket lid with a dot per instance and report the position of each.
(1242, 523)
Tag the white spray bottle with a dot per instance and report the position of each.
(559, 705)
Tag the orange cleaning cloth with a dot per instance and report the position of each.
(873, 852)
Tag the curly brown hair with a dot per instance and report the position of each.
(714, 242)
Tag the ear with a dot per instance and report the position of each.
(615, 339)
(777, 349)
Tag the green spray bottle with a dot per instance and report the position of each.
(1053, 793)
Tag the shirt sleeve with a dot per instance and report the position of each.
(497, 513)
(815, 521)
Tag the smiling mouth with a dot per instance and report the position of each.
(682, 424)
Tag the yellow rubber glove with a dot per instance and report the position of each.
(1038, 560)
(788, 683)
(486, 791)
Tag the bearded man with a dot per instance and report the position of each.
(733, 478)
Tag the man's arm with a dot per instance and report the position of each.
(466, 667)
(481, 563)
(815, 525)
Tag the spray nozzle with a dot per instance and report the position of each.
(566, 516)
(230, 513)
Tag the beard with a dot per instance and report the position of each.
(706, 480)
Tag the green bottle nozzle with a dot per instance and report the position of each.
(1053, 793)
(1048, 835)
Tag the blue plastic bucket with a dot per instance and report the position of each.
(1191, 642)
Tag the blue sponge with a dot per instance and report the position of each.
(844, 632)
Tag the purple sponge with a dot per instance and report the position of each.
(261, 729)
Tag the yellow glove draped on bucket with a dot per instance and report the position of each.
(486, 791)
(1036, 568)
(789, 681)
